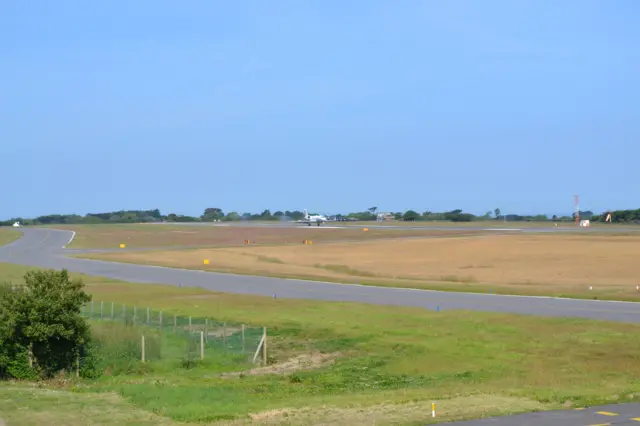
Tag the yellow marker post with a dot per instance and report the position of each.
(206, 261)
(365, 229)
(122, 246)
(433, 409)
(310, 242)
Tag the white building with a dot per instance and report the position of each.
(385, 216)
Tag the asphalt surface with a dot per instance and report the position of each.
(619, 415)
(41, 247)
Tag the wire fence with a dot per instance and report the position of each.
(126, 336)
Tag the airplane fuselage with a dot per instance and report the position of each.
(309, 220)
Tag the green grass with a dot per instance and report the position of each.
(391, 362)
(9, 235)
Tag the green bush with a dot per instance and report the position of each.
(41, 324)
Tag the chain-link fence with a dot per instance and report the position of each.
(126, 336)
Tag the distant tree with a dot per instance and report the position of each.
(231, 217)
(372, 210)
(458, 216)
(497, 213)
(410, 215)
(554, 217)
(212, 213)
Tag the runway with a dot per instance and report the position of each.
(504, 227)
(42, 247)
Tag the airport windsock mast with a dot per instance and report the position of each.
(577, 205)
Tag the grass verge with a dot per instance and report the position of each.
(8, 235)
(386, 365)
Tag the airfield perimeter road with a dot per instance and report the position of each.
(44, 248)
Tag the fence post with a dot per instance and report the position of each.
(160, 319)
(147, 315)
(243, 348)
(201, 345)
(113, 312)
(264, 345)
(206, 329)
(189, 323)
(30, 355)
(143, 348)
(101, 309)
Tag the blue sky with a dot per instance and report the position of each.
(327, 105)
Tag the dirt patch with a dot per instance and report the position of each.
(393, 413)
(303, 362)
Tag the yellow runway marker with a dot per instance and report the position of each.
(606, 413)
(637, 419)
(602, 424)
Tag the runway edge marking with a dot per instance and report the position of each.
(73, 235)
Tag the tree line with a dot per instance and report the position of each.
(213, 214)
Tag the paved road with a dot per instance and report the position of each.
(619, 415)
(44, 248)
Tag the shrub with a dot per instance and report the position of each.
(42, 331)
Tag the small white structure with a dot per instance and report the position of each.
(585, 223)
(384, 216)
(16, 224)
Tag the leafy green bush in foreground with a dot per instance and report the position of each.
(42, 331)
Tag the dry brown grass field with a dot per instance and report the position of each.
(550, 264)
(153, 236)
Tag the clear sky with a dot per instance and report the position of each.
(329, 105)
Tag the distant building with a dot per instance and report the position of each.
(385, 216)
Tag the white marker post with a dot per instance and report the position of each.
(433, 409)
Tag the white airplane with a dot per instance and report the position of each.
(317, 219)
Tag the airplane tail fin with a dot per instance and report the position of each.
(306, 215)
